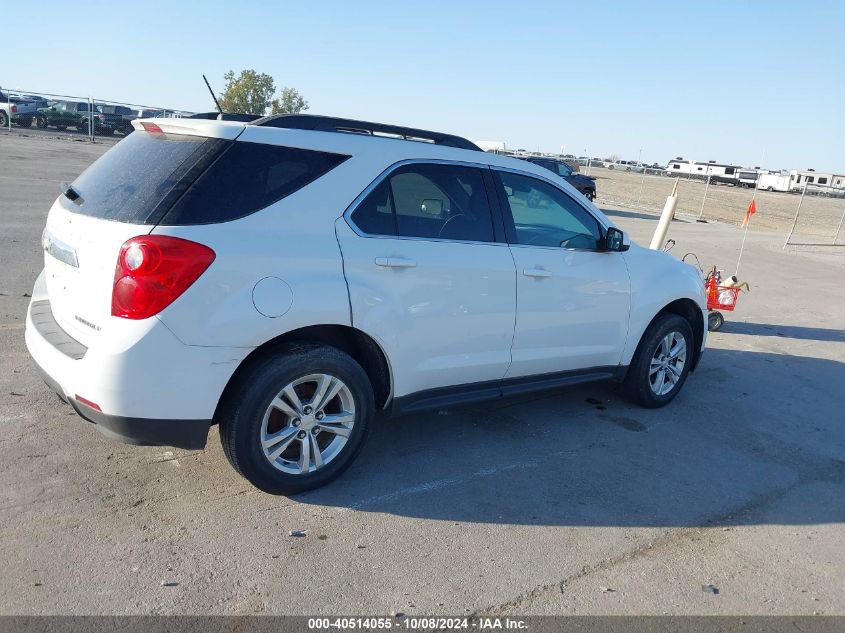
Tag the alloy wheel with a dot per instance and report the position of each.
(667, 363)
(307, 424)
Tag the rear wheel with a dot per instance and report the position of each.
(662, 362)
(4, 119)
(296, 421)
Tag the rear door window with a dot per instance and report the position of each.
(431, 201)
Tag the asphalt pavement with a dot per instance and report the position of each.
(729, 501)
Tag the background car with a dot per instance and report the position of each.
(124, 123)
(584, 184)
(77, 114)
(21, 111)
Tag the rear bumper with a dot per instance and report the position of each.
(149, 386)
(187, 434)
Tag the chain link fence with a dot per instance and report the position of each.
(38, 113)
(809, 217)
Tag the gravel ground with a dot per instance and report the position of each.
(729, 501)
(818, 220)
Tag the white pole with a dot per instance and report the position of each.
(9, 110)
(836, 237)
(797, 211)
(642, 181)
(665, 219)
(747, 224)
(587, 173)
(90, 119)
(704, 199)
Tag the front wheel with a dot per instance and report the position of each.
(40, 122)
(662, 362)
(295, 421)
(591, 195)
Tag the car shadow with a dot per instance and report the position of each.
(738, 446)
(784, 331)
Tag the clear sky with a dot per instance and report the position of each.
(727, 81)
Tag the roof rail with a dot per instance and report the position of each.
(333, 124)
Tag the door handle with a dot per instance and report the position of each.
(395, 262)
(536, 272)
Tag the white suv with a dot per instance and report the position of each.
(289, 278)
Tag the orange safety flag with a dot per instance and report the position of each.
(752, 209)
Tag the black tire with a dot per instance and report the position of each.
(127, 130)
(40, 121)
(715, 321)
(638, 380)
(24, 122)
(4, 119)
(591, 195)
(242, 413)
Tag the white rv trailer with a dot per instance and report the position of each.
(718, 172)
(747, 178)
(776, 181)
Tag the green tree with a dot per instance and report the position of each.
(248, 93)
(289, 102)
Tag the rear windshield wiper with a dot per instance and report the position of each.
(72, 194)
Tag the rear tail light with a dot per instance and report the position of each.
(152, 271)
(102, 117)
(14, 108)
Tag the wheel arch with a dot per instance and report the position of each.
(689, 310)
(360, 346)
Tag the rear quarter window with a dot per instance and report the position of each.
(248, 177)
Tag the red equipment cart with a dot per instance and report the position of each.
(719, 297)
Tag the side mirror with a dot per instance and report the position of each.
(616, 240)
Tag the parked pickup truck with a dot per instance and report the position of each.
(65, 114)
(20, 111)
(127, 115)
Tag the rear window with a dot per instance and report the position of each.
(175, 179)
(130, 181)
